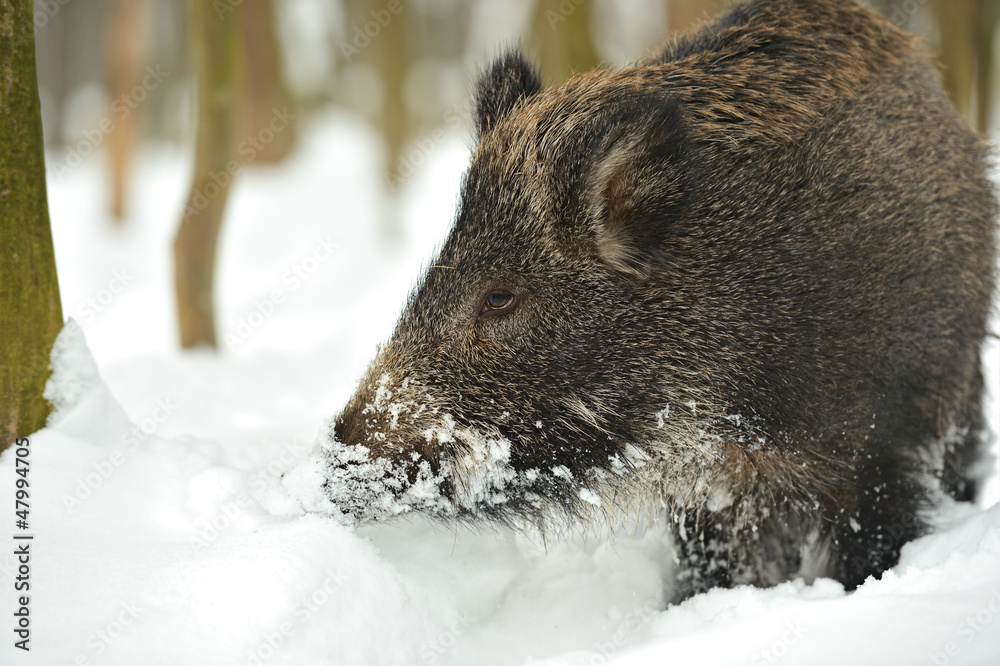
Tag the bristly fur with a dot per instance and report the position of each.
(748, 280)
(510, 81)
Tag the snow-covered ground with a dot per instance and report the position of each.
(152, 543)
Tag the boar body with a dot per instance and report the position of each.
(741, 285)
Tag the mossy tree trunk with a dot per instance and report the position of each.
(30, 310)
(217, 53)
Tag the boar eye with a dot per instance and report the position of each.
(497, 302)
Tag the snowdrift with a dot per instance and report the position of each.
(156, 550)
(161, 535)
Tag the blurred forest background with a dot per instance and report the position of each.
(237, 79)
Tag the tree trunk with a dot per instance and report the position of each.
(128, 35)
(30, 310)
(562, 37)
(216, 48)
(263, 85)
(987, 21)
(956, 28)
(393, 57)
(683, 15)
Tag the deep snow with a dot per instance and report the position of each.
(161, 536)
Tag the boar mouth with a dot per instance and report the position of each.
(456, 473)
(444, 470)
(367, 487)
(473, 484)
(395, 449)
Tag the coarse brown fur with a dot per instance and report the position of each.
(742, 285)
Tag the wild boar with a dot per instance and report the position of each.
(740, 286)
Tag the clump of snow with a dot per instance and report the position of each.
(353, 485)
(75, 389)
(385, 478)
(481, 469)
(662, 416)
(590, 497)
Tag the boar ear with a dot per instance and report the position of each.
(639, 184)
(502, 86)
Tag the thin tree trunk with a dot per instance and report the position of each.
(380, 35)
(986, 26)
(30, 310)
(393, 58)
(683, 15)
(264, 87)
(128, 32)
(216, 49)
(956, 28)
(562, 37)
